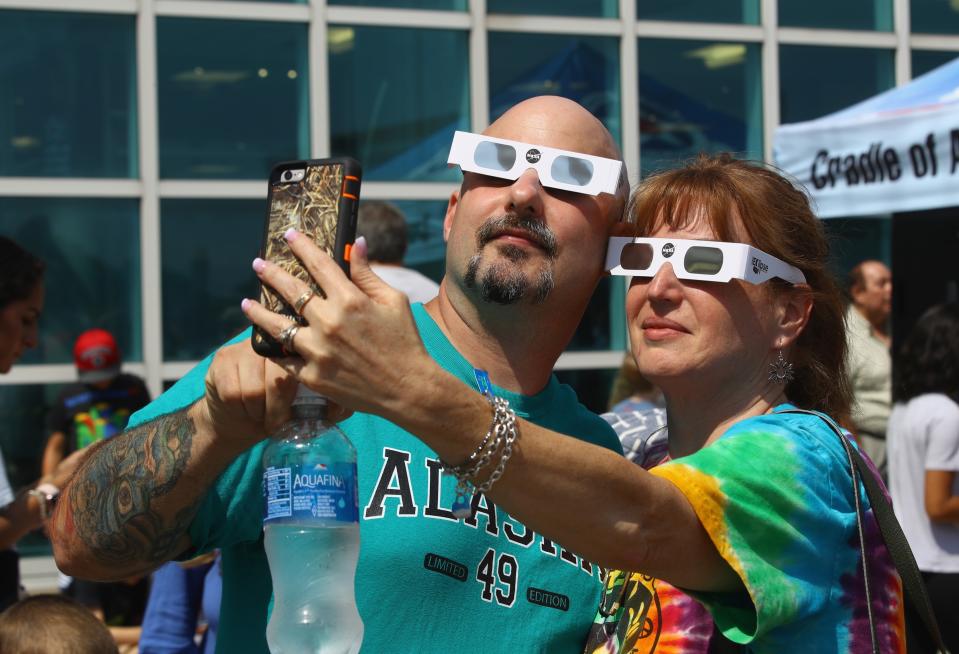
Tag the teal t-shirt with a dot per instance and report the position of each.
(425, 581)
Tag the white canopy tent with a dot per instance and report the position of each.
(895, 152)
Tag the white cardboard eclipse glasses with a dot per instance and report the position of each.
(706, 261)
(562, 169)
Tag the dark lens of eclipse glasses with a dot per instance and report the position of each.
(702, 260)
(636, 256)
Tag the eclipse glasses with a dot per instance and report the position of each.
(705, 261)
(560, 169)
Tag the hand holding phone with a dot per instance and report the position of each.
(318, 198)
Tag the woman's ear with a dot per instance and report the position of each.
(793, 308)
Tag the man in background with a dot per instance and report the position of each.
(870, 362)
(384, 227)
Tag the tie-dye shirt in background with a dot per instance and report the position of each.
(775, 494)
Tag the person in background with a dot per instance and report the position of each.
(99, 405)
(179, 595)
(96, 407)
(52, 624)
(21, 303)
(923, 448)
(384, 227)
(637, 414)
(870, 361)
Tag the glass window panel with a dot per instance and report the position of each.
(592, 386)
(426, 249)
(700, 11)
(600, 8)
(934, 16)
(397, 95)
(67, 95)
(925, 60)
(92, 253)
(840, 77)
(233, 97)
(455, 5)
(697, 96)
(207, 248)
(848, 15)
(582, 68)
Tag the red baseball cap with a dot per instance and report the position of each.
(96, 355)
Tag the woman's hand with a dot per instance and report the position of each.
(360, 346)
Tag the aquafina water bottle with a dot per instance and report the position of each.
(311, 533)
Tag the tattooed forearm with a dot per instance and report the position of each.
(120, 497)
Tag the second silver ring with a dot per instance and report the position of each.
(287, 335)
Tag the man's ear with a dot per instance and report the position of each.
(793, 309)
(450, 213)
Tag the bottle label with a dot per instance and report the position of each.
(315, 492)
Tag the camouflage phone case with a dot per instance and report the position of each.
(318, 206)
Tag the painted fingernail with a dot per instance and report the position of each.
(245, 304)
(290, 234)
(359, 246)
(259, 264)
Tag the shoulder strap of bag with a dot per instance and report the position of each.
(917, 602)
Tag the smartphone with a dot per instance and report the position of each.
(319, 199)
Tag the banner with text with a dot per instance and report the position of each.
(856, 165)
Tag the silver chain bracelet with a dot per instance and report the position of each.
(502, 434)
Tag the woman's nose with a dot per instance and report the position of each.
(664, 285)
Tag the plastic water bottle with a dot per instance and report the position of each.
(312, 535)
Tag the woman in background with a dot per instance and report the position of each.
(21, 303)
(923, 450)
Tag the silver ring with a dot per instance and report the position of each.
(302, 300)
(287, 335)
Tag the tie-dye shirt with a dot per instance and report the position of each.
(775, 495)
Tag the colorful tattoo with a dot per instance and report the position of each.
(113, 495)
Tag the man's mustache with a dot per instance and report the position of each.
(537, 231)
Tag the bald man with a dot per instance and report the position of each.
(870, 362)
(525, 249)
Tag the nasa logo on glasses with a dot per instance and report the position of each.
(533, 155)
(668, 250)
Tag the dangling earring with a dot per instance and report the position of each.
(781, 371)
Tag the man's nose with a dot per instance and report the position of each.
(526, 194)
